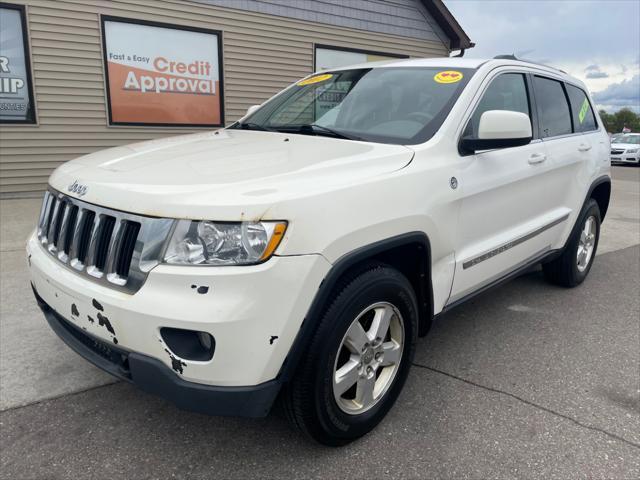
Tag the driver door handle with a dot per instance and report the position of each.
(537, 158)
(583, 147)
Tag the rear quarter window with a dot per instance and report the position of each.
(584, 120)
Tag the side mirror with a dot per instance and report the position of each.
(500, 129)
(252, 109)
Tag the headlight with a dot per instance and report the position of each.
(223, 243)
(633, 150)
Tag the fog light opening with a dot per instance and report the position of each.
(189, 344)
(206, 341)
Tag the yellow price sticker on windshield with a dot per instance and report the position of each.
(448, 76)
(315, 79)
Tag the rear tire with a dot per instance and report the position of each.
(358, 359)
(573, 265)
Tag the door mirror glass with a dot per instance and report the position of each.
(500, 129)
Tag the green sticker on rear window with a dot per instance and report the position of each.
(583, 110)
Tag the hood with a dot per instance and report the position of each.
(624, 146)
(223, 175)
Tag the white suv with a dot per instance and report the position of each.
(301, 251)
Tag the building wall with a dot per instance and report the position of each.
(406, 18)
(262, 53)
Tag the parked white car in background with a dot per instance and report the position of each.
(301, 251)
(626, 149)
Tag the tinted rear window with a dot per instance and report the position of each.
(584, 120)
(553, 109)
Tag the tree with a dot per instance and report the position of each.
(607, 120)
(626, 118)
(614, 123)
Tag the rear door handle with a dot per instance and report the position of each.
(537, 158)
(583, 147)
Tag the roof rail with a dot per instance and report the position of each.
(513, 57)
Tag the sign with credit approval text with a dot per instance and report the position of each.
(162, 75)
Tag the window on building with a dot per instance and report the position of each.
(327, 57)
(16, 90)
(584, 119)
(553, 109)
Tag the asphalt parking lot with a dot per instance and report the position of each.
(527, 381)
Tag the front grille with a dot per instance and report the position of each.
(617, 152)
(107, 246)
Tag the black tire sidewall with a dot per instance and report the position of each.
(379, 285)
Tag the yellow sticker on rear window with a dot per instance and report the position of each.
(448, 76)
(315, 79)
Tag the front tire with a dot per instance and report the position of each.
(573, 265)
(358, 359)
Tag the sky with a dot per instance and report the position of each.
(597, 41)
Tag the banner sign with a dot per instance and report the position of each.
(162, 75)
(16, 94)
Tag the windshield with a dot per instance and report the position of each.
(633, 139)
(387, 105)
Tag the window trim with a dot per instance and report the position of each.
(149, 23)
(32, 112)
(316, 46)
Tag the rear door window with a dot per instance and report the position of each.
(553, 108)
(584, 120)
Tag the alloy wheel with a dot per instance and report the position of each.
(368, 358)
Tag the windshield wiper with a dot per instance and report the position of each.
(331, 131)
(255, 126)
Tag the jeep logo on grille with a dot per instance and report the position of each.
(75, 187)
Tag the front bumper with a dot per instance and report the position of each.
(154, 377)
(625, 159)
(254, 314)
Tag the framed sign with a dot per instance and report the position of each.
(162, 75)
(16, 88)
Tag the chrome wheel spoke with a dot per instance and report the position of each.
(391, 354)
(583, 237)
(364, 391)
(356, 338)
(346, 376)
(381, 322)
